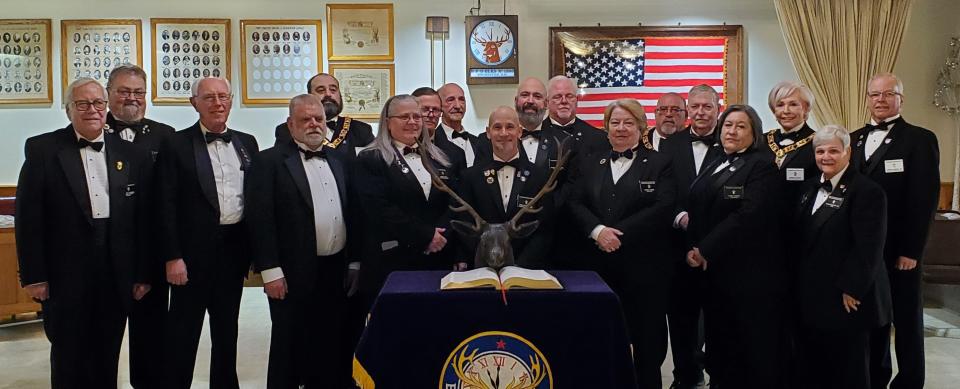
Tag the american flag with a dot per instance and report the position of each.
(642, 69)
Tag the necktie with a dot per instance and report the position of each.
(409, 150)
(212, 136)
(535, 134)
(706, 139)
(320, 153)
(615, 155)
(96, 146)
(459, 134)
(497, 165)
(827, 186)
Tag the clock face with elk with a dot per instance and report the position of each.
(492, 42)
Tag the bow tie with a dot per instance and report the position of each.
(515, 163)
(460, 134)
(615, 155)
(827, 186)
(212, 136)
(535, 134)
(882, 126)
(567, 128)
(96, 146)
(332, 124)
(320, 153)
(788, 135)
(706, 139)
(731, 157)
(410, 150)
(135, 127)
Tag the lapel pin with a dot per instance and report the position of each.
(644, 160)
(523, 178)
(526, 172)
(146, 129)
(405, 170)
(887, 140)
(119, 165)
(489, 180)
(733, 168)
(603, 161)
(107, 129)
(543, 146)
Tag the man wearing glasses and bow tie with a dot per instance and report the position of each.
(203, 239)
(347, 135)
(81, 238)
(670, 116)
(904, 159)
(127, 90)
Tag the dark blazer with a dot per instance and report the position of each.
(485, 197)
(801, 158)
(841, 251)
(640, 205)
(396, 213)
(279, 213)
(678, 147)
(54, 228)
(455, 152)
(736, 205)
(912, 194)
(188, 207)
(360, 135)
(150, 134)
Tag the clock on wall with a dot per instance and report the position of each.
(492, 42)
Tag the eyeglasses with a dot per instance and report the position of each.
(210, 99)
(673, 110)
(884, 95)
(408, 117)
(430, 111)
(559, 98)
(126, 93)
(84, 105)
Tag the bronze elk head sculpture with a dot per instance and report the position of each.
(494, 248)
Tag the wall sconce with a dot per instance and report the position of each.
(438, 28)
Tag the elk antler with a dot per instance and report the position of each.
(478, 221)
(549, 186)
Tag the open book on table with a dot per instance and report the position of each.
(508, 277)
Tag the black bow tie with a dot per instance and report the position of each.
(332, 124)
(882, 126)
(615, 155)
(135, 127)
(567, 128)
(320, 153)
(515, 163)
(96, 146)
(827, 186)
(410, 150)
(706, 139)
(788, 135)
(460, 134)
(212, 136)
(732, 157)
(535, 134)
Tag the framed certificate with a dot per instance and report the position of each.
(364, 88)
(360, 32)
(279, 56)
(92, 48)
(185, 51)
(25, 67)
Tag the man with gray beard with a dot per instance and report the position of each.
(127, 91)
(670, 114)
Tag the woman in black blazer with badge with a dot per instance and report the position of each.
(622, 207)
(406, 217)
(734, 236)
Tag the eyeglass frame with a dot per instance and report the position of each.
(85, 105)
(126, 93)
(408, 117)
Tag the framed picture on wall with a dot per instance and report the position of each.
(364, 88)
(92, 48)
(25, 67)
(645, 62)
(360, 32)
(185, 51)
(279, 56)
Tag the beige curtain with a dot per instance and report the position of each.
(837, 45)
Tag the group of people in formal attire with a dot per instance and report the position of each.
(776, 259)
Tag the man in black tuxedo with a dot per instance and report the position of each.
(297, 196)
(670, 115)
(453, 103)
(81, 238)
(562, 121)
(498, 188)
(127, 90)
(346, 135)
(431, 108)
(840, 281)
(904, 160)
(203, 240)
(690, 150)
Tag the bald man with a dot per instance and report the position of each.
(505, 181)
(453, 104)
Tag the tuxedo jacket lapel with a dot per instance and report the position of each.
(877, 156)
(295, 165)
(72, 165)
(204, 168)
(825, 212)
(727, 172)
(118, 171)
(340, 176)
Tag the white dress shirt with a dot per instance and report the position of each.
(699, 152)
(877, 136)
(328, 223)
(531, 145)
(822, 193)
(505, 178)
(462, 143)
(228, 177)
(416, 165)
(618, 168)
(95, 171)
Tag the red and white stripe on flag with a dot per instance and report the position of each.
(670, 65)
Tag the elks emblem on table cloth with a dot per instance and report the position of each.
(496, 360)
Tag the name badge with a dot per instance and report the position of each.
(794, 174)
(893, 166)
(442, 173)
(384, 246)
(130, 190)
(732, 192)
(648, 186)
(833, 202)
(522, 201)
